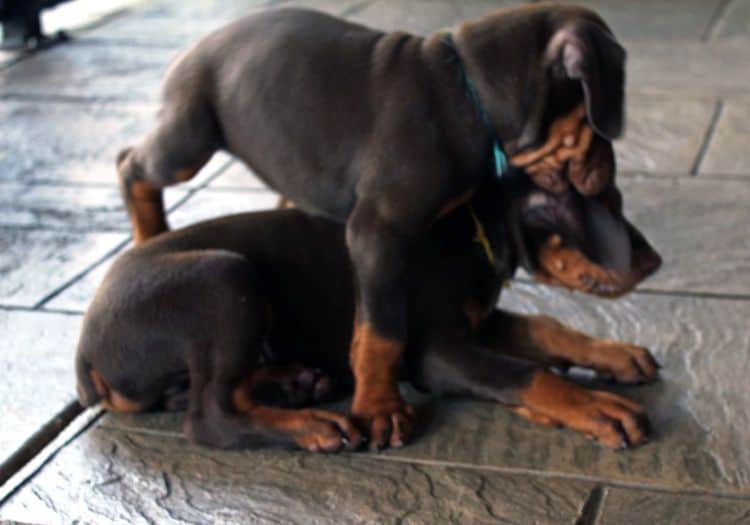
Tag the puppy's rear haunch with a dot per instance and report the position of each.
(204, 313)
(386, 132)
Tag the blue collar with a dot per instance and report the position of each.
(500, 160)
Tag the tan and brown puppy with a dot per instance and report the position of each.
(386, 132)
(215, 309)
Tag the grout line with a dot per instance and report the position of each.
(693, 294)
(67, 284)
(655, 291)
(707, 138)
(38, 440)
(675, 175)
(238, 190)
(592, 508)
(70, 423)
(602, 483)
(53, 183)
(713, 23)
(220, 171)
(64, 99)
(97, 41)
(145, 431)
(553, 474)
(29, 309)
(42, 227)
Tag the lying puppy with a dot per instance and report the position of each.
(213, 307)
(386, 132)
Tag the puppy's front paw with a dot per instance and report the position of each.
(322, 431)
(613, 420)
(624, 363)
(388, 423)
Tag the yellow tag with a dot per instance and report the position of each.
(481, 237)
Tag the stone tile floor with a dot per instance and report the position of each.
(685, 172)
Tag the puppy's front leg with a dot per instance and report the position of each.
(531, 392)
(378, 252)
(549, 342)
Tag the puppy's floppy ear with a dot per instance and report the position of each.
(588, 52)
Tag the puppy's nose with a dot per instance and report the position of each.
(648, 262)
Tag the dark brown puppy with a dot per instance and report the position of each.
(393, 124)
(207, 305)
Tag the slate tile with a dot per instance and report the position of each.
(664, 133)
(33, 263)
(238, 176)
(728, 151)
(54, 142)
(68, 208)
(172, 24)
(684, 67)
(424, 16)
(109, 476)
(204, 205)
(666, 20)
(735, 22)
(78, 295)
(697, 408)
(699, 227)
(625, 507)
(208, 204)
(36, 362)
(85, 71)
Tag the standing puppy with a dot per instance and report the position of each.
(386, 132)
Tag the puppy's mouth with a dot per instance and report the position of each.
(581, 244)
(568, 267)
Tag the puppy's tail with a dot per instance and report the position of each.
(87, 392)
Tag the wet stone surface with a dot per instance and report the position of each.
(697, 225)
(77, 297)
(36, 363)
(685, 67)
(664, 134)
(697, 408)
(656, 20)
(209, 204)
(728, 152)
(735, 24)
(625, 507)
(110, 476)
(35, 263)
(237, 176)
(423, 16)
(68, 208)
(63, 142)
(85, 71)
(168, 25)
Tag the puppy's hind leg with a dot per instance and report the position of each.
(227, 333)
(184, 139)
